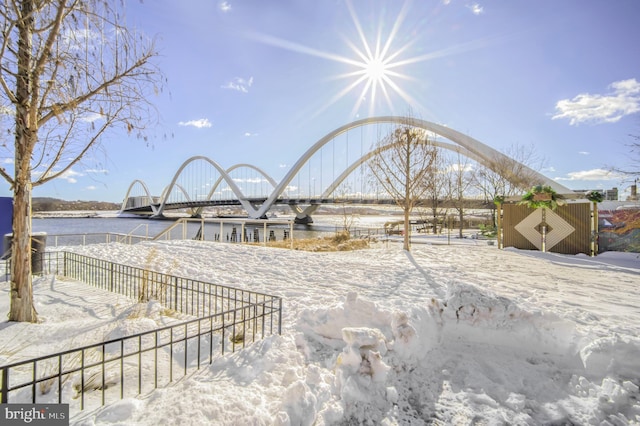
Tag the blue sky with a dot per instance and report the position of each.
(258, 81)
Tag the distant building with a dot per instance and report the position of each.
(634, 192)
(611, 194)
(608, 194)
(140, 201)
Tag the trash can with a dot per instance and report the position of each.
(38, 247)
(6, 220)
(6, 246)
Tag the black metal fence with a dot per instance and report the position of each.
(93, 375)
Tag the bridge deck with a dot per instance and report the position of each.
(469, 204)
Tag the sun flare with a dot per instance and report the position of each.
(375, 70)
(376, 67)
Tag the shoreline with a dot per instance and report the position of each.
(74, 214)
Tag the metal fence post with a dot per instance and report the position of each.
(111, 273)
(175, 294)
(280, 316)
(5, 385)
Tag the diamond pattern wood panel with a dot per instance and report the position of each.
(569, 228)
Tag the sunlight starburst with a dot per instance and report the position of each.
(375, 70)
(376, 67)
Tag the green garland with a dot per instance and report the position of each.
(541, 196)
(594, 196)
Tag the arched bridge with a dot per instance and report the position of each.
(333, 170)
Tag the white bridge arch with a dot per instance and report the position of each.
(460, 142)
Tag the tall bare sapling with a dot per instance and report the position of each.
(71, 71)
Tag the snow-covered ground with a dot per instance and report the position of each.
(445, 334)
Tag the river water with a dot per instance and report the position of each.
(76, 229)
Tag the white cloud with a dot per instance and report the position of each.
(594, 174)
(91, 117)
(283, 166)
(624, 99)
(201, 123)
(77, 39)
(584, 152)
(225, 6)
(8, 161)
(455, 168)
(70, 176)
(476, 9)
(239, 84)
(91, 188)
(100, 171)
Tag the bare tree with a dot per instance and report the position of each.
(436, 186)
(348, 217)
(401, 161)
(70, 70)
(459, 180)
(509, 175)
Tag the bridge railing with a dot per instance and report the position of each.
(226, 230)
(228, 319)
(58, 240)
(231, 230)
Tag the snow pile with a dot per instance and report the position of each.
(470, 313)
(381, 350)
(612, 355)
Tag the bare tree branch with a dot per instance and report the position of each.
(633, 169)
(509, 175)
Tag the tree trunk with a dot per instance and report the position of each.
(407, 191)
(434, 211)
(26, 135)
(22, 308)
(407, 229)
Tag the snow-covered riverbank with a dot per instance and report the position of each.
(463, 334)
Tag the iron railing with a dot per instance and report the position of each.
(56, 240)
(93, 375)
